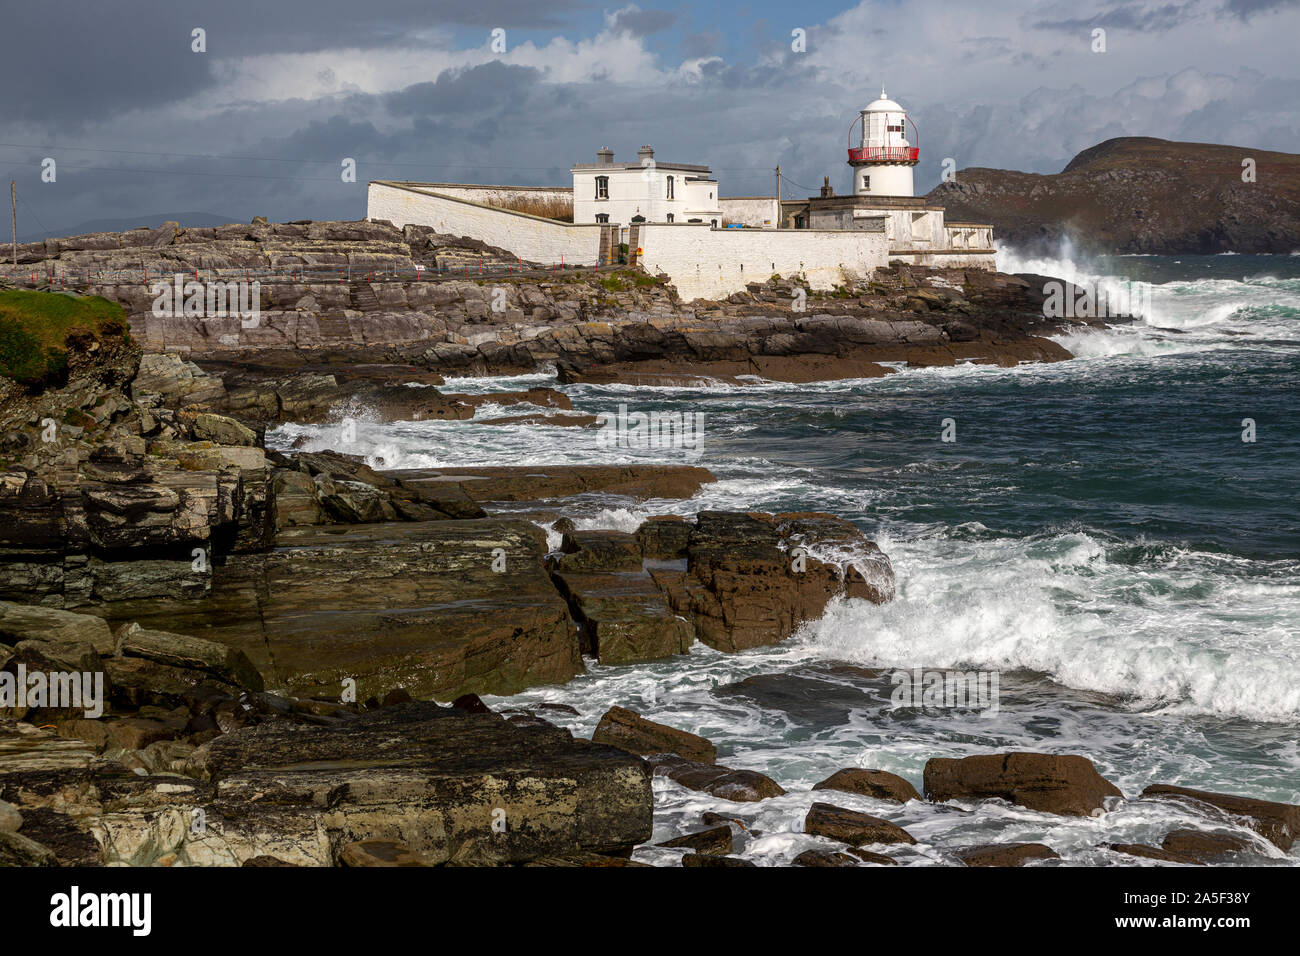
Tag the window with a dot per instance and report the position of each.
(866, 182)
(602, 187)
(670, 190)
(714, 223)
(670, 217)
(602, 217)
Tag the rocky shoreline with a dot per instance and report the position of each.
(293, 644)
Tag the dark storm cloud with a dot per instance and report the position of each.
(489, 86)
(78, 60)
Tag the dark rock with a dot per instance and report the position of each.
(1050, 783)
(1005, 854)
(852, 827)
(741, 786)
(823, 858)
(1279, 823)
(709, 859)
(1205, 847)
(714, 840)
(629, 731)
(878, 784)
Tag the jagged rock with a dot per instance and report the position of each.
(440, 608)
(1051, 783)
(878, 784)
(1279, 823)
(1005, 854)
(630, 731)
(851, 826)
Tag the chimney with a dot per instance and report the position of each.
(604, 156)
(644, 153)
(827, 189)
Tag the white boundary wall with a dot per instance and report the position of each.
(530, 237)
(758, 211)
(705, 263)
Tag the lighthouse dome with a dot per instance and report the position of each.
(883, 105)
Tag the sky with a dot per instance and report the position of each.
(140, 124)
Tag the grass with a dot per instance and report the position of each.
(548, 207)
(36, 327)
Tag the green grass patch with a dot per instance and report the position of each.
(36, 327)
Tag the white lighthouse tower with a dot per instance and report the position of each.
(883, 160)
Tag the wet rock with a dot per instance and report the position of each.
(741, 786)
(1050, 783)
(875, 859)
(1005, 854)
(714, 840)
(709, 859)
(623, 615)
(440, 608)
(878, 784)
(1149, 853)
(1205, 847)
(18, 850)
(629, 731)
(266, 861)
(532, 483)
(600, 551)
(852, 826)
(1279, 823)
(823, 858)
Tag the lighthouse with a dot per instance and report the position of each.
(884, 158)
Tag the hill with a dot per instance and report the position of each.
(1138, 194)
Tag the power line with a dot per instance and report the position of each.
(328, 162)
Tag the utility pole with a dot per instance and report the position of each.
(778, 196)
(13, 208)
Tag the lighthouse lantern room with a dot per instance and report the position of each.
(884, 158)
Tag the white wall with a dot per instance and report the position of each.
(760, 211)
(530, 237)
(705, 263)
(643, 191)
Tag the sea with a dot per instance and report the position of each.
(1115, 537)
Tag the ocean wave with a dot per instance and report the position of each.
(1182, 631)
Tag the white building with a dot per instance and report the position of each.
(670, 217)
(644, 191)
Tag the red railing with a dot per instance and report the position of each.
(884, 154)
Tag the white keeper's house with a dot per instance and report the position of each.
(674, 221)
(644, 191)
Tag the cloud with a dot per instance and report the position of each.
(413, 90)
